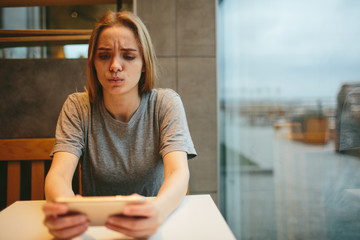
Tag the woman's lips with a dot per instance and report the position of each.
(115, 80)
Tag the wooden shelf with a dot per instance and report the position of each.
(42, 32)
(21, 38)
(27, 3)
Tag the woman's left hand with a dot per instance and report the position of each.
(140, 220)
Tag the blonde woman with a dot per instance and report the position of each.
(129, 137)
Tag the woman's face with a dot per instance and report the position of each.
(118, 61)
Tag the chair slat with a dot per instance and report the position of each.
(80, 181)
(13, 182)
(37, 180)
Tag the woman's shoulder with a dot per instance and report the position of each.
(81, 98)
(165, 97)
(160, 93)
(78, 101)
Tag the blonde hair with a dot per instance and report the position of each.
(130, 20)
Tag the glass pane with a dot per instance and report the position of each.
(22, 18)
(289, 78)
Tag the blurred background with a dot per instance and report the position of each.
(289, 77)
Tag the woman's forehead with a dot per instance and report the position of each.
(118, 34)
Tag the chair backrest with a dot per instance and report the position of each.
(15, 152)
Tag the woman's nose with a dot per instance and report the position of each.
(116, 65)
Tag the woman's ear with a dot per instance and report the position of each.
(143, 68)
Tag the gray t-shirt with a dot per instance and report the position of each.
(119, 158)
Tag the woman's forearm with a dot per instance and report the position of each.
(56, 186)
(175, 183)
(58, 182)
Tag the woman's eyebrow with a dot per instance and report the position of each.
(104, 49)
(129, 49)
(122, 49)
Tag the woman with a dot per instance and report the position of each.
(130, 137)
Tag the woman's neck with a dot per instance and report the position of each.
(122, 107)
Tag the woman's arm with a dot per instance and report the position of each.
(58, 182)
(176, 182)
(143, 220)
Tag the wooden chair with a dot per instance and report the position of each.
(18, 151)
(36, 151)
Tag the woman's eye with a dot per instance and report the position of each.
(104, 56)
(129, 57)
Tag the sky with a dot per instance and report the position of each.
(288, 49)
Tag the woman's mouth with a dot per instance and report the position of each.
(115, 80)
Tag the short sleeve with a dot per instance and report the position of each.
(71, 126)
(174, 130)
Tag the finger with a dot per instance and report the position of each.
(143, 233)
(135, 195)
(70, 232)
(50, 208)
(140, 210)
(62, 222)
(134, 224)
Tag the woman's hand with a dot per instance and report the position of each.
(63, 224)
(142, 220)
(139, 220)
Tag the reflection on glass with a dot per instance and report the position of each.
(22, 18)
(349, 118)
(76, 51)
(290, 118)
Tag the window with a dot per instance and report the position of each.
(289, 77)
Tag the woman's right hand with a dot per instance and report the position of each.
(61, 223)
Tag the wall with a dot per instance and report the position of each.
(184, 36)
(32, 92)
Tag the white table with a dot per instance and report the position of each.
(196, 218)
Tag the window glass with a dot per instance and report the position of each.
(289, 79)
